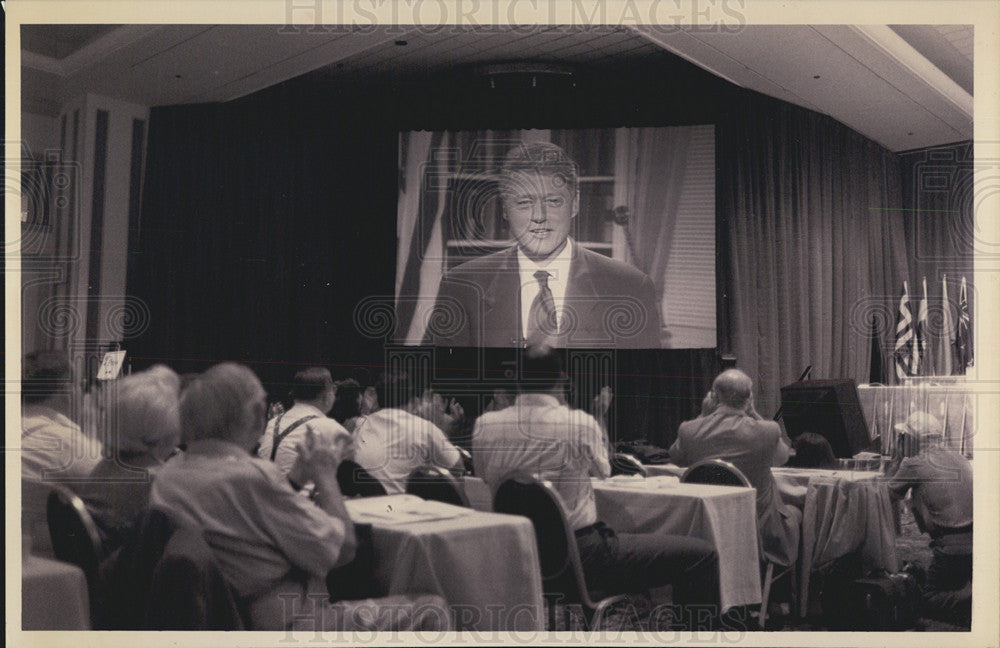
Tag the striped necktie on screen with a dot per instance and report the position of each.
(542, 314)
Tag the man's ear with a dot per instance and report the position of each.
(576, 201)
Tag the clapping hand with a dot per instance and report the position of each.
(318, 456)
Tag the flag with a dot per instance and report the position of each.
(924, 367)
(943, 348)
(876, 373)
(906, 354)
(962, 336)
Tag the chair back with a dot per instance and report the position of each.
(189, 592)
(436, 483)
(355, 480)
(715, 471)
(559, 557)
(626, 464)
(75, 537)
(34, 515)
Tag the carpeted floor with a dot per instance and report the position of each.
(912, 546)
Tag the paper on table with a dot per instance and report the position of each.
(401, 509)
(636, 482)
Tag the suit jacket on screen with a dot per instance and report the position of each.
(608, 304)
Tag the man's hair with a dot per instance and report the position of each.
(309, 384)
(44, 374)
(145, 412)
(543, 158)
(346, 405)
(214, 405)
(396, 388)
(541, 370)
(732, 388)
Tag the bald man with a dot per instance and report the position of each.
(735, 432)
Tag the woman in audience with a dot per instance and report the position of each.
(143, 431)
(347, 406)
(812, 451)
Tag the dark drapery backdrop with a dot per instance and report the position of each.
(815, 243)
(266, 221)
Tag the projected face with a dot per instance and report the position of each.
(540, 208)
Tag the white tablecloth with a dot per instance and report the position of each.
(485, 565)
(53, 596)
(722, 515)
(841, 512)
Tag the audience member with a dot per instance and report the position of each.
(143, 432)
(52, 445)
(270, 542)
(939, 481)
(313, 395)
(392, 441)
(812, 451)
(735, 432)
(542, 436)
(347, 403)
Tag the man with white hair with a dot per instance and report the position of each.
(939, 481)
(273, 545)
(735, 432)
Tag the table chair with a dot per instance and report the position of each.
(723, 473)
(626, 464)
(562, 570)
(355, 480)
(75, 538)
(436, 483)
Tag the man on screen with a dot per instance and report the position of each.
(546, 289)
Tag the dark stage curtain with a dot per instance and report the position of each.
(939, 196)
(815, 244)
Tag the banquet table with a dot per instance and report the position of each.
(485, 565)
(53, 596)
(723, 515)
(842, 512)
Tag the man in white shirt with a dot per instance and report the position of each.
(313, 392)
(540, 435)
(52, 445)
(546, 289)
(392, 441)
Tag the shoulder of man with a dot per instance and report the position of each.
(610, 269)
(487, 263)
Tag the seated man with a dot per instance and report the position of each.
(52, 445)
(734, 432)
(540, 435)
(273, 545)
(394, 440)
(939, 481)
(314, 393)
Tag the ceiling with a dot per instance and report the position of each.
(905, 86)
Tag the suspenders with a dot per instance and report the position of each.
(278, 438)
